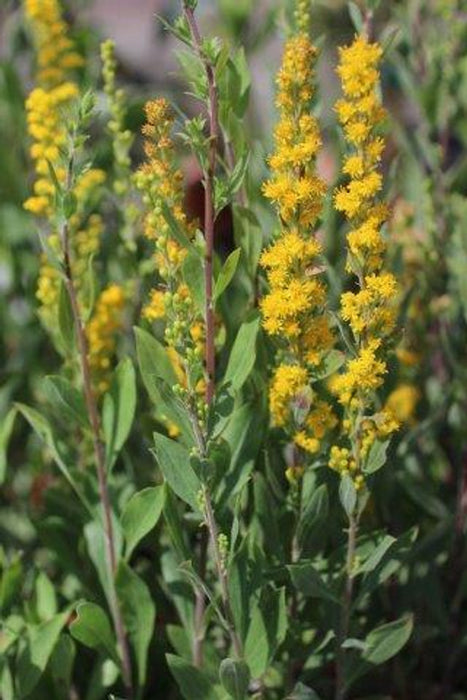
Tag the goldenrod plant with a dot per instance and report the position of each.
(232, 454)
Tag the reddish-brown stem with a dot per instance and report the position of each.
(209, 212)
(210, 357)
(99, 454)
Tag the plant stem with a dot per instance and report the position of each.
(346, 605)
(209, 212)
(200, 604)
(222, 574)
(99, 453)
(210, 357)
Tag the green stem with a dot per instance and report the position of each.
(346, 607)
(99, 451)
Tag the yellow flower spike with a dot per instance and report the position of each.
(161, 183)
(55, 53)
(288, 383)
(101, 332)
(293, 309)
(46, 111)
(155, 308)
(370, 311)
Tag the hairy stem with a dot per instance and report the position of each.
(99, 454)
(346, 605)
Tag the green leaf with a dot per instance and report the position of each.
(7, 691)
(372, 561)
(175, 229)
(309, 582)
(10, 581)
(303, 692)
(153, 362)
(187, 569)
(313, 518)
(89, 290)
(356, 16)
(66, 399)
(238, 174)
(92, 628)
(347, 494)
(386, 641)
(193, 274)
(97, 548)
(139, 614)
(140, 515)
(174, 407)
(159, 375)
(174, 525)
(40, 643)
(267, 630)
(66, 326)
(330, 364)
(245, 435)
(174, 461)
(6, 429)
(235, 678)
(388, 564)
(193, 683)
(376, 457)
(243, 355)
(227, 273)
(43, 429)
(46, 600)
(119, 410)
(62, 660)
(248, 234)
(266, 514)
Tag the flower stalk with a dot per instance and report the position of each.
(98, 446)
(210, 358)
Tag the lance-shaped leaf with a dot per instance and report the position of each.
(174, 461)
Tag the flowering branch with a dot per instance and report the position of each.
(209, 211)
(210, 362)
(99, 453)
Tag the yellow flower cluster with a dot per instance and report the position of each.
(46, 112)
(122, 140)
(370, 311)
(161, 182)
(293, 308)
(290, 382)
(343, 463)
(101, 334)
(363, 375)
(402, 403)
(55, 52)
(155, 308)
(48, 107)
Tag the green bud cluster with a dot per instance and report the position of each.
(122, 139)
(223, 545)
